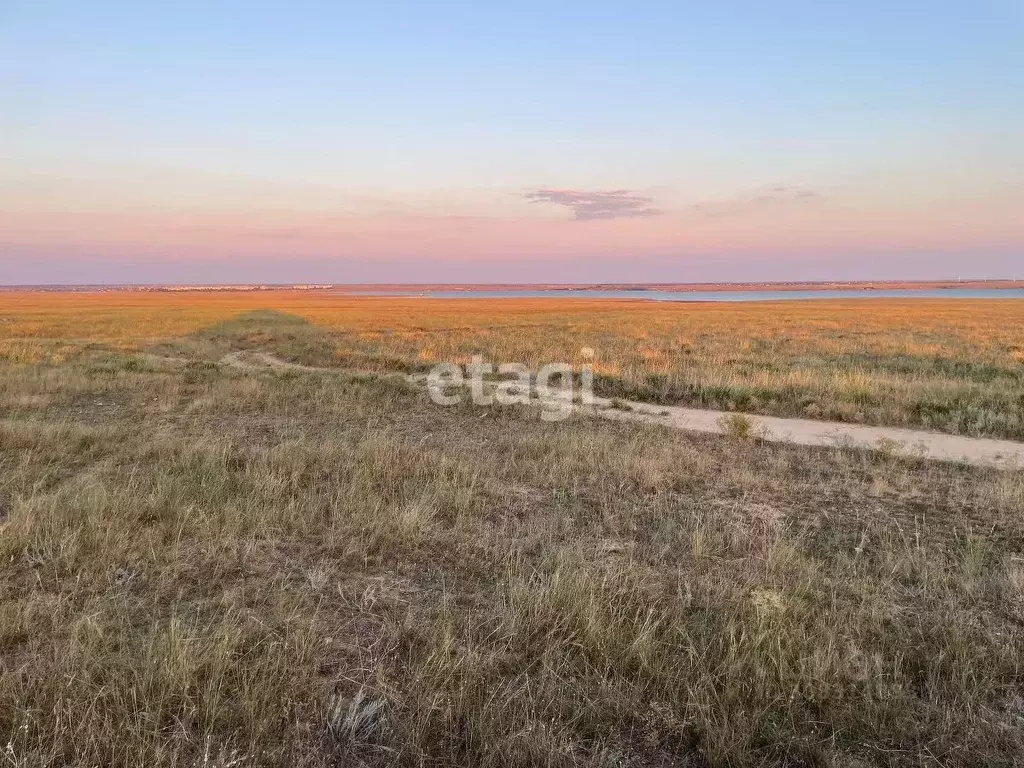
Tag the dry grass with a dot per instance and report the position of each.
(217, 567)
(949, 365)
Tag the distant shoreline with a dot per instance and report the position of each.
(385, 288)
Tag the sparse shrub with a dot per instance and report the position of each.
(812, 410)
(737, 425)
(889, 447)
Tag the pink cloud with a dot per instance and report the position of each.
(592, 205)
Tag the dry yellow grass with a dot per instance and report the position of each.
(208, 566)
(948, 365)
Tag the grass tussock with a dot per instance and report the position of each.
(737, 425)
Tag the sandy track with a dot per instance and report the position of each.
(976, 451)
(253, 359)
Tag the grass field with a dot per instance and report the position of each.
(947, 365)
(209, 566)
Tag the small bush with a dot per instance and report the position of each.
(736, 425)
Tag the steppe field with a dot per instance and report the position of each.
(211, 562)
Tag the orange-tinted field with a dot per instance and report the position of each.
(952, 365)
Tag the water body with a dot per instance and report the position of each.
(928, 293)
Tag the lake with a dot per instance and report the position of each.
(948, 293)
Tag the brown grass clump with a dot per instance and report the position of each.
(737, 425)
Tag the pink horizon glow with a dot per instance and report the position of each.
(57, 226)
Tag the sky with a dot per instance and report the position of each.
(212, 142)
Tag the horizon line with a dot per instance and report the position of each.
(596, 285)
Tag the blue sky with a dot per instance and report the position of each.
(411, 136)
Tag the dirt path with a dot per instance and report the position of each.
(977, 451)
(250, 359)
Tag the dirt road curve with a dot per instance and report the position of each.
(931, 445)
(977, 451)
